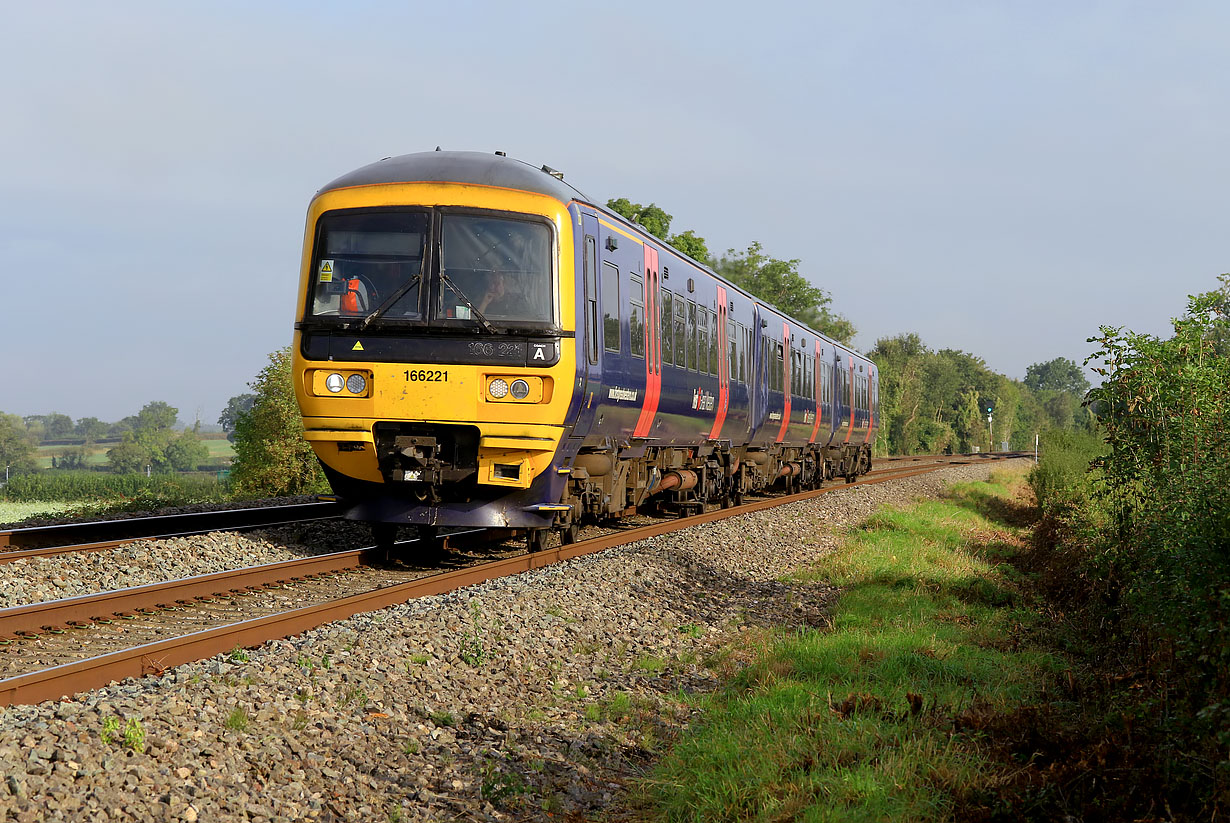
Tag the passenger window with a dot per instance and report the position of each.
(668, 351)
(691, 335)
(702, 331)
(591, 297)
(636, 315)
(610, 307)
(713, 344)
(680, 332)
(732, 341)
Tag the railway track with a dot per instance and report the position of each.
(55, 648)
(100, 535)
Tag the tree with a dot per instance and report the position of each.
(156, 416)
(16, 446)
(128, 457)
(186, 452)
(72, 457)
(91, 428)
(147, 442)
(779, 283)
(1060, 374)
(58, 426)
(656, 221)
(36, 427)
(693, 245)
(238, 405)
(271, 455)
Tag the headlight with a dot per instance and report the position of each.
(356, 383)
(498, 388)
(334, 383)
(520, 389)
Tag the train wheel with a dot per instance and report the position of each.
(570, 533)
(536, 540)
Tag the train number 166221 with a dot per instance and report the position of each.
(426, 375)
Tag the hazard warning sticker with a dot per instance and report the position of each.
(326, 271)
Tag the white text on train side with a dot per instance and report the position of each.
(702, 400)
(623, 394)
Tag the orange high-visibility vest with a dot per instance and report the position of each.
(350, 300)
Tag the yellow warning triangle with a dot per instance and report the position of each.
(357, 346)
(326, 266)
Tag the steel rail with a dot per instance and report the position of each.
(155, 658)
(33, 618)
(100, 532)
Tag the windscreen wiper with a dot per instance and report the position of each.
(388, 304)
(478, 315)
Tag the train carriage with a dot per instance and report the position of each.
(479, 344)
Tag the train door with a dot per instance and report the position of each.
(723, 365)
(847, 391)
(870, 391)
(786, 352)
(589, 328)
(652, 344)
(817, 385)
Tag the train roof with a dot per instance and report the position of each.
(461, 167)
(480, 168)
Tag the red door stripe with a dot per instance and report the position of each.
(653, 347)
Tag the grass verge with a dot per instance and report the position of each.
(879, 717)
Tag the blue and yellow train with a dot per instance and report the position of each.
(480, 344)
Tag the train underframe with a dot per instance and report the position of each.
(605, 484)
(431, 482)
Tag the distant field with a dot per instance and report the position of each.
(218, 450)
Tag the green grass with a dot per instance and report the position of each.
(11, 512)
(869, 721)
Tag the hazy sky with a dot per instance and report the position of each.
(999, 177)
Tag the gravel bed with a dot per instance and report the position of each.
(34, 522)
(533, 697)
(53, 577)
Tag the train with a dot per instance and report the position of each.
(478, 344)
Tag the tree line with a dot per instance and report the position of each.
(148, 441)
(930, 401)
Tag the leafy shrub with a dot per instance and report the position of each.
(271, 455)
(1062, 476)
(133, 492)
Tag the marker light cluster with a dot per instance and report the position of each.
(514, 389)
(354, 383)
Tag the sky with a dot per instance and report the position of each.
(997, 177)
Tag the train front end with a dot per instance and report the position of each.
(434, 352)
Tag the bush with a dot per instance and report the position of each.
(133, 492)
(272, 458)
(1062, 477)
